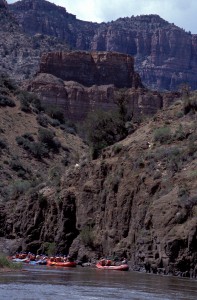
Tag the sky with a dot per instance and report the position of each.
(180, 12)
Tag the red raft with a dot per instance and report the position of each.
(68, 264)
(123, 267)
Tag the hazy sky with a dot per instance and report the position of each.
(180, 12)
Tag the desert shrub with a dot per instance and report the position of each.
(192, 147)
(180, 134)
(103, 129)
(87, 236)
(162, 135)
(28, 136)
(190, 104)
(6, 101)
(37, 149)
(49, 248)
(7, 82)
(66, 159)
(55, 113)
(54, 122)
(29, 102)
(17, 188)
(117, 148)
(20, 140)
(183, 192)
(55, 175)
(46, 136)
(17, 166)
(42, 120)
(179, 114)
(191, 202)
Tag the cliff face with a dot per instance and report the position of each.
(165, 55)
(138, 200)
(76, 100)
(19, 52)
(91, 68)
(90, 80)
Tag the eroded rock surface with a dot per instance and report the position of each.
(165, 55)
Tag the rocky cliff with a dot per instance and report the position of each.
(87, 81)
(90, 68)
(77, 100)
(165, 55)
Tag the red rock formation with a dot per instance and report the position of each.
(91, 68)
(77, 100)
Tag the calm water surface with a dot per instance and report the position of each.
(44, 283)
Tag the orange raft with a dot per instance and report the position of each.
(123, 267)
(59, 263)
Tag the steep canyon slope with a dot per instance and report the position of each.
(165, 55)
(138, 199)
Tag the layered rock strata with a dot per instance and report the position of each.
(90, 68)
(165, 54)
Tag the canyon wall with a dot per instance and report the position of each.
(165, 55)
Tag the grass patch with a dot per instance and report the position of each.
(8, 264)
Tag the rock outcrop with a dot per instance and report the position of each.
(165, 55)
(77, 100)
(90, 68)
(87, 81)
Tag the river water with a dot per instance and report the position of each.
(44, 283)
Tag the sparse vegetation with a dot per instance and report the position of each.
(104, 129)
(163, 135)
(6, 101)
(87, 236)
(29, 102)
(49, 248)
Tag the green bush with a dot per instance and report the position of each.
(162, 135)
(87, 236)
(7, 82)
(42, 120)
(37, 149)
(46, 136)
(180, 134)
(29, 102)
(103, 129)
(18, 188)
(190, 104)
(55, 113)
(49, 248)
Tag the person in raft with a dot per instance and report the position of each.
(124, 261)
